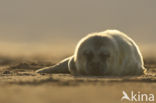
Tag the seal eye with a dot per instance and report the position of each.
(89, 55)
(104, 56)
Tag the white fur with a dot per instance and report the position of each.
(124, 56)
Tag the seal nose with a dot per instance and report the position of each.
(95, 65)
(95, 69)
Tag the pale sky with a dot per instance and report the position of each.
(57, 25)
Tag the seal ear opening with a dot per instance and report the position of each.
(72, 67)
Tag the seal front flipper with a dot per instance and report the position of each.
(72, 67)
(61, 67)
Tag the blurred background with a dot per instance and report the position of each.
(53, 27)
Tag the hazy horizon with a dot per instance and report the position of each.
(54, 27)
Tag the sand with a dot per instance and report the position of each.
(20, 84)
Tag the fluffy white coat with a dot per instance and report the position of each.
(105, 53)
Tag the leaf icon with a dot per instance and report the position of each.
(125, 96)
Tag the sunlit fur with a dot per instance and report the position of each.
(121, 55)
(105, 53)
